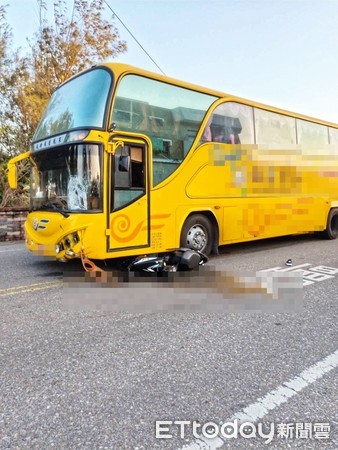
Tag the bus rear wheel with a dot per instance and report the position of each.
(197, 234)
(331, 231)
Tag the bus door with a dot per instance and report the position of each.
(129, 209)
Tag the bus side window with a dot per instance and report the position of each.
(122, 168)
(230, 123)
(129, 175)
(137, 167)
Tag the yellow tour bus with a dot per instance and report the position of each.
(126, 162)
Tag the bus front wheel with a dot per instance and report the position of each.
(331, 231)
(197, 234)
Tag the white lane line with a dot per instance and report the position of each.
(263, 405)
(11, 250)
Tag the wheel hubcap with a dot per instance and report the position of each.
(197, 238)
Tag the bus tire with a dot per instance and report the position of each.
(331, 231)
(197, 234)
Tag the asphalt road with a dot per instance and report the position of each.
(92, 378)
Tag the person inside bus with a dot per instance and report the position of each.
(226, 137)
(216, 133)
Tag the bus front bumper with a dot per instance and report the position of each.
(64, 247)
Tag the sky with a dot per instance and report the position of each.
(282, 53)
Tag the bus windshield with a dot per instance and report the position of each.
(67, 179)
(80, 103)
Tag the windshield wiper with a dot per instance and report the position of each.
(53, 206)
(56, 208)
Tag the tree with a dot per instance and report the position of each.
(5, 36)
(74, 44)
(20, 196)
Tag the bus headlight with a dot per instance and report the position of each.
(67, 243)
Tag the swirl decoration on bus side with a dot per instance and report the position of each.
(120, 227)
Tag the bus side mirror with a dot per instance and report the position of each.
(11, 169)
(124, 163)
(12, 175)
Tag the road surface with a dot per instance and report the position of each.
(92, 378)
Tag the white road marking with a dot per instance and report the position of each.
(262, 406)
(11, 250)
